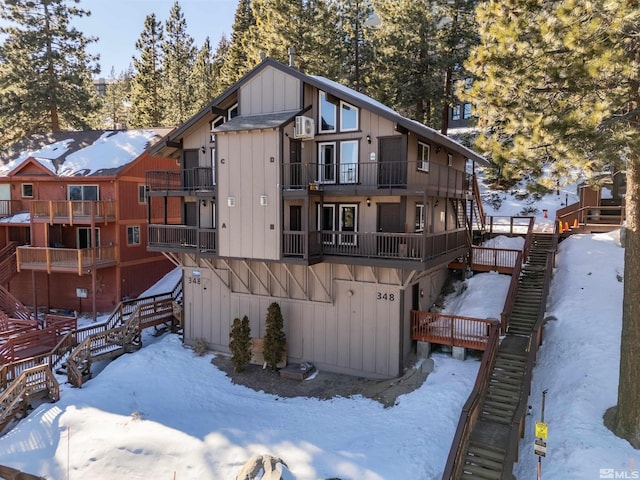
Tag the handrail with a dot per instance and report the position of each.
(511, 293)
(453, 330)
(482, 217)
(471, 408)
(591, 214)
(12, 306)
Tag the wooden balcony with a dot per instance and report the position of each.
(72, 212)
(353, 178)
(71, 260)
(416, 247)
(182, 238)
(451, 330)
(9, 208)
(180, 182)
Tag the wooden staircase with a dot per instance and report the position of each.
(489, 448)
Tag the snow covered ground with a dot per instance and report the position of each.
(163, 412)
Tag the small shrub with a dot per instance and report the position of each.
(274, 339)
(240, 343)
(200, 346)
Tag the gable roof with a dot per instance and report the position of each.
(84, 153)
(340, 91)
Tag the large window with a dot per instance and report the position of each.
(346, 221)
(348, 117)
(327, 162)
(84, 237)
(143, 193)
(466, 112)
(349, 161)
(455, 112)
(82, 192)
(327, 114)
(424, 152)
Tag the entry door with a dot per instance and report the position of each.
(295, 164)
(84, 237)
(191, 162)
(392, 164)
(390, 220)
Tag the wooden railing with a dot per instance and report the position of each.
(186, 180)
(396, 174)
(10, 207)
(452, 330)
(65, 259)
(471, 408)
(503, 225)
(480, 216)
(12, 327)
(182, 237)
(8, 263)
(12, 306)
(71, 211)
(612, 216)
(511, 293)
(500, 260)
(29, 383)
(409, 246)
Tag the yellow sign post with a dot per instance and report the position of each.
(542, 430)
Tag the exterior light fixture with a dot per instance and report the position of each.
(368, 202)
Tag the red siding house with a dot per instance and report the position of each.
(73, 218)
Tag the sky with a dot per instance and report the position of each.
(163, 412)
(118, 24)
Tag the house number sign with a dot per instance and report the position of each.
(385, 296)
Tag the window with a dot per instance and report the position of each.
(348, 223)
(466, 113)
(27, 190)
(84, 237)
(424, 151)
(420, 218)
(232, 112)
(133, 235)
(349, 161)
(327, 114)
(143, 193)
(327, 162)
(455, 112)
(82, 192)
(327, 223)
(348, 117)
(215, 124)
(450, 159)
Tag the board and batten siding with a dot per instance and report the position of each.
(249, 169)
(359, 333)
(271, 90)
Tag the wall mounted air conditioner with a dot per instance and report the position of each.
(304, 129)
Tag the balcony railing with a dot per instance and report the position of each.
(187, 180)
(73, 211)
(182, 238)
(297, 176)
(9, 208)
(403, 246)
(78, 260)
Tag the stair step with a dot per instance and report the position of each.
(496, 419)
(485, 459)
(490, 402)
(503, 396)
(481, 473)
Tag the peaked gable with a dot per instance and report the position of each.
(30, 167)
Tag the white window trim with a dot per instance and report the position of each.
(352, 234)
(333, 222)
(423, 165)
(22, 190)
(335, 113)
(357, 111)
(450, 159)
(349, 170)
(420, 217)
(232, 108)
(322, 165)
(133, 227)
(145, 195)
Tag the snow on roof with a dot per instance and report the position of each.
(24, 217)
(82, 153)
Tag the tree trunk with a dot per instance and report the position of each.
(626, 419)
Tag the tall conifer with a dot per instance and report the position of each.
(45, 71)
(201, 77)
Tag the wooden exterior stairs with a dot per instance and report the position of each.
(492, 421)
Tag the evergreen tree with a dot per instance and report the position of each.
(235, 56)
(558, 83)
(115, 108)
(202, 78)
(240, 343)
(146, 85)
(274, 338)
(45, 71)
(218, 64)
(179, 54)
(358, 51)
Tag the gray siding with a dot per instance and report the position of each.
(270, 91)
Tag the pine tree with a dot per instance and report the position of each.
(558, 84)
(179, 54)
(236, 57)
(201, 78)
(45, 71)
(115, 109)
(358, 48)
(146, 85)
(240, 343)
(274, 338)
(218, 64)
